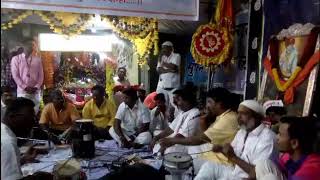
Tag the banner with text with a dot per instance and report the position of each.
(161, 9)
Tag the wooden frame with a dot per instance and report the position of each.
(303, 94)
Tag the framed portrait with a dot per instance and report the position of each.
(287, 67)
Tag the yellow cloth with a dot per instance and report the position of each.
(220, 132)
(61, 120)
(102, 116)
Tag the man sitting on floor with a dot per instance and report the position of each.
(185, 125)
(295, 139)
(159, 115)
(254, 142)
(101, 111)
(131, 125)
(220, 132)
(59, 115)
(17, 121)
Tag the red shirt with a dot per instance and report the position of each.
(309, 169)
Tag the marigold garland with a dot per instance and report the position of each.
(16, 17)
(143, 39)
(141, 32)
(48, 68)
(284, 86)
(69, 24)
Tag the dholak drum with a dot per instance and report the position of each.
(177, 163)
(82, 139)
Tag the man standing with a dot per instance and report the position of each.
(254, 142)
(131, 125)
(168, 69)
(27, 72)
(101, 111)
(18, 121)
(185, 125)
(59, 115)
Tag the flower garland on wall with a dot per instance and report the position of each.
(48, 68)
(142, 32)
(65, 23)
(60, 22)
(15, 17)
(111, 65)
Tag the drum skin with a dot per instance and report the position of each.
(177, 160)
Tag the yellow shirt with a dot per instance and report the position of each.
(102, 116)
(220, 132)
(59, 120)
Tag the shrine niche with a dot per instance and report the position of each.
(291, 68)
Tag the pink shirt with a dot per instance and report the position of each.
(27, 72)
(309, 170)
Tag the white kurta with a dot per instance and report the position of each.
(186, 124)
(131, 120)
(158, 123)
(10, 155)
(169, 80)
(259, 146)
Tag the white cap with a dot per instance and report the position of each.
(272, 103)
(167, 43)
(254, 106)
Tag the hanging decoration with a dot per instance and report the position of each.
(35, 46)
(16, 17)
(291, 66)
(64, 22)
(48, 68)
(212, 43)
(60, 22)
(111, 65)
(142, 32)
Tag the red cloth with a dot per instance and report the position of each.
(149, 102)
(309, 170)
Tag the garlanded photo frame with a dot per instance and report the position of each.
(291, 68)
